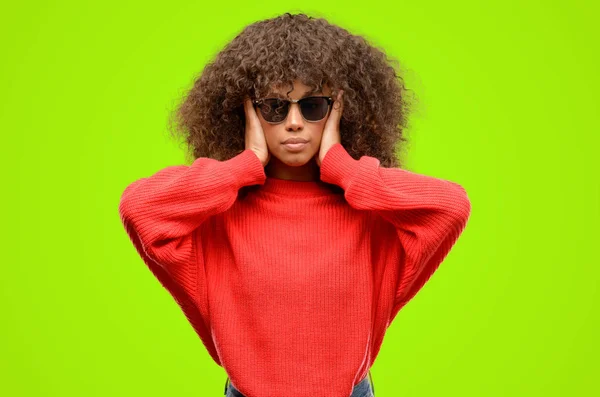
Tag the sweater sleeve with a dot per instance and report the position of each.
(164, 209)
(162, 214)
(428, 213)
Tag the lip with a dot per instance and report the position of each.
(295, 147)
(295, 140)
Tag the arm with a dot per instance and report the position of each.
(161, 212)
(428, 213)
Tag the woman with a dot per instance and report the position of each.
(293, 239)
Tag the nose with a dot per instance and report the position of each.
(294, 120)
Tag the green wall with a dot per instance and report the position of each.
(508, 108)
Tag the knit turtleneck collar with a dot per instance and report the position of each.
(286, 187)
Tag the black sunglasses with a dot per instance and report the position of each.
(275, 110)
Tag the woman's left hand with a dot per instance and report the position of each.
(331, 132)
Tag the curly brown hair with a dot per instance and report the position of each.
(275, 52)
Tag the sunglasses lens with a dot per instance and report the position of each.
(274, 110)
(314, 108)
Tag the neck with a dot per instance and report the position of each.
(307, 172)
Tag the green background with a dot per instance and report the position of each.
(508, 108)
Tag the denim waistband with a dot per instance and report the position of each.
(359, 390)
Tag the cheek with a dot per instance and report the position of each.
(318, 131)
(271, 135)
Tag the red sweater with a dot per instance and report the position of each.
(291, 287)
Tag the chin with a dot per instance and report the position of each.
(295, 160)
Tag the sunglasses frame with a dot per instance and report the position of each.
(257, 102)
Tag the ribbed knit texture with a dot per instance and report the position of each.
(291, 288)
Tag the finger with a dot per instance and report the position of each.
(338, 105)
(336, 112)
(246, 100)
(249, 110)
(340, 100)
(247, 104)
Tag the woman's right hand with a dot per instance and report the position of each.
(255, 137)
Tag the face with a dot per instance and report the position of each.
(294, 126)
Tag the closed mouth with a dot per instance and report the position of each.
(295, 141)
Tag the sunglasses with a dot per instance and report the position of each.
(275, 110)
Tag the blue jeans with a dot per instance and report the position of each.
(365, 388)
